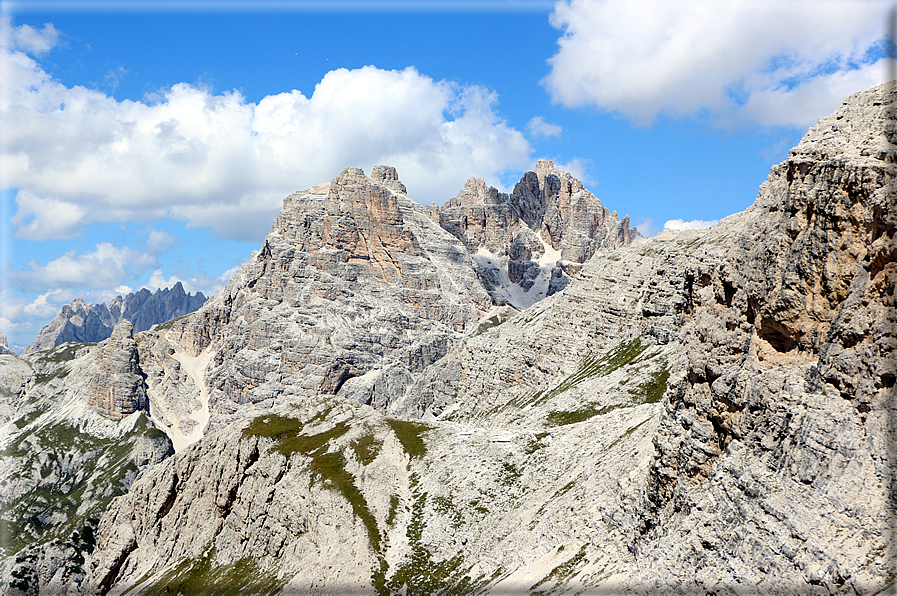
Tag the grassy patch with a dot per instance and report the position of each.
(169, 324)
(330, 468)
(564, 418)
(626, 434)
(652, 390)
(80, 496)
(563, 572)
(591, 367)
(420, 574)
(393, 509)
(285, 432)
(510, 474)
(327, 467)
(366, 449)
(203, 577)
(60, 373)
(493, 321)
(63, 353)
(409, 435)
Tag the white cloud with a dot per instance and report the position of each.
(105, 267)
(695, 224)
(42, 306)
(26, 38)
(576, 167)
(77, 155)
(157, 281)
(158, 242)
(41, 219)
(124, 290)
(537, 127)
(784, 62)
(647, 228)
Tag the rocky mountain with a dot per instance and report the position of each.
(360, 411)
(4, 346)
(91, 323)
(528, 243)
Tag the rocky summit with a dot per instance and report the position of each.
(377, 403)
(92, 323)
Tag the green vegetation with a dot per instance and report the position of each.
(169, 324)
(562, 573)
(653, 389)
(493, 321)
(510, 474)
(327, 467)
(624, 435)
(203, 577)
(564, 418)
(536, 444)
(285, 432)
(393, 509)
(409, 435)
(60, 373)
(366, 449)
(81, 492)
(62, 353)
(420, 574)
(624, 354)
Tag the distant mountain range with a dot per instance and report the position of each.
(92, 323)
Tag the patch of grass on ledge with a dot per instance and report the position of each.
(327, 467)
(409, 435)
(169, 324)
(625, 353)
(201, 577)
(564, 418)
(63, 353)
(285, 432)
(652, 390)
(366, 449)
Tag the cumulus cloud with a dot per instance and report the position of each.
(741, 60)
(646, 228)
(537, 127)
(77, 155)
(43, 306)
(695, 224)
(28, 39)
(106, 267)
(158, 242)
(576, 167)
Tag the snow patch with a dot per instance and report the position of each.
(515, 295)
(195, 367)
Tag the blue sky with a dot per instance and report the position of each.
(149, 142)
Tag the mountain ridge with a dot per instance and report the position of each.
(91, 323)
(706, 415)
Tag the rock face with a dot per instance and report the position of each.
(705, 415)
(527, 244)
(4, 346)
(117, 388)
(354, 292)
(63, 462)
(81, 322)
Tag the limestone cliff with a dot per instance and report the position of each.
(353, 293)
(527, 244)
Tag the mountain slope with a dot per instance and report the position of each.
(555, 465)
